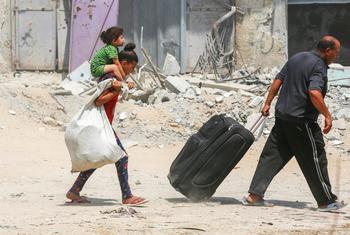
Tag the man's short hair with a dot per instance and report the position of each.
(323, 44)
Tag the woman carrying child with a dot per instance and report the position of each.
(109, 98)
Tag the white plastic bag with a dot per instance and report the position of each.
(90, 138)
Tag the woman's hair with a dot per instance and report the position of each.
(111, 34)
(128, 54)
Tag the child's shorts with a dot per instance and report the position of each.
(97, 71)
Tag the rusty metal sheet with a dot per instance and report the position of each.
(35, 35)
(89, 18)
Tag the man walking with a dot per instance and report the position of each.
(303, 82)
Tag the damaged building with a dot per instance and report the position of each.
(35, 35)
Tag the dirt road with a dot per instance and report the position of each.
(35, 175)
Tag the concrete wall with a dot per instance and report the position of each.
(5, 36)
(261, 34)
(202, 14)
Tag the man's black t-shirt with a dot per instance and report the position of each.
(303, 72)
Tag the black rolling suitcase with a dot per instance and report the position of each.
(209, 156)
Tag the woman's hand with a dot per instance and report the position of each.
(131, 85)
(117, 85)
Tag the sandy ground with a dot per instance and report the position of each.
(35, 175)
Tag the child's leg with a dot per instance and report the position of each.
(74, 192)
(109, 68)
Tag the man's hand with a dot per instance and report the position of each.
(327, 125)
(266, 110)
(276, 84)
(318, 101)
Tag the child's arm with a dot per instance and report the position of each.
(121, 71)
(109, 94)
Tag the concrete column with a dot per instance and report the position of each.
(5, 36)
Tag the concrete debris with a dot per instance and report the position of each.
(343, 113)
(158, 79)
(198, 91)
(266, 131)
(225, 87)
(171, 66)
(340, 124)
(219, 99)
(12, 112)
(209, 104)
(336, 142)
(176, 84)
(140, 95)
(339, 76)
(163, 115)
(75, 87)
(336, 66)
(129, 144)
(257, 100)
(120, 212)
(123, 116)
(50, 121)
(191, 93)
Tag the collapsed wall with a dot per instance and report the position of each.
(261, 33)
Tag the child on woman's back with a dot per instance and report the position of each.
(106, 60)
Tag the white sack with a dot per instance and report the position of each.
(89, 136)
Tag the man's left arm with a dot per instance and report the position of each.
(316, 86)
(318, 101)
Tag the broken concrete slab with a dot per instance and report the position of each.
(176, 84)
(75, 87)
(219, 99)
(257, 100)
(339, 76)
(222, 86)
(336, 142)
(81, 73)
(190, 93)
(123, 116)
(142, 96)
(171, 66)
(50, 121)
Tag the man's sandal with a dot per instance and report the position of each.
(262, 203)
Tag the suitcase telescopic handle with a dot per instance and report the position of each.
(257, 124)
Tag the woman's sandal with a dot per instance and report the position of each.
(134, 201)
(76, 198)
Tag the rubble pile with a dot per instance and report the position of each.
(164, 113)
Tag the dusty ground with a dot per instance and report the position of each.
(35, 175)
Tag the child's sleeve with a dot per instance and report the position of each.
(111, 52)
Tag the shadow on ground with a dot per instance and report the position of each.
(219, 200)
(94, 202)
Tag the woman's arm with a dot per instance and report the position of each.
(109, 94)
